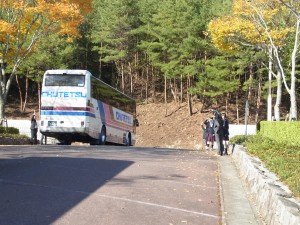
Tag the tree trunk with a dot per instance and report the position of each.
(26, 94)
(292, 89)
(278, 97)
(174, 91)
(226, 102)
(166, 104)
(2, 113)
(39, 95)
(181, 89)
(2, 89)
(250, 91)
(237, 109)
(293, 96)
(269, 102)
(23, 99)
(190, 105)
(147, 82)
(131, 77)
(153, 83)
(20, 93)
(5, 86)
(100, 63)
(258, 100)
(122, 78)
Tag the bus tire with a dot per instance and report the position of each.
(102, 139)
(64, 142)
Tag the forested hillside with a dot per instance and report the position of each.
(225, 54)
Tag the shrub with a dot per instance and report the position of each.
(239, 139)
(9, 130)
(14, 139)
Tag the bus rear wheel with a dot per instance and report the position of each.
(102, 139)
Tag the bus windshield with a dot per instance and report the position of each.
(73, 80)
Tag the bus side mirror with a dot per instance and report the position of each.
(136, 122)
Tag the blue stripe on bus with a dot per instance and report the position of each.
(66, 113)
(101, 110)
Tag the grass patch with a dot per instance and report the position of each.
(279, 158)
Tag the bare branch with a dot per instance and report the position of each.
(290, 8)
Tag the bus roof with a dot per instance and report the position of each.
(83, 72)
(67, 71)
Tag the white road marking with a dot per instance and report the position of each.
(156, 205)
(110, 197)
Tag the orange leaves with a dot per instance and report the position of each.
(57, 15)
(85, 6)
(6, 30)
(6, 27)
(23, 22)
(66, 14)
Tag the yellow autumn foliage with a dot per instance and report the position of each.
(267, 8)
(227, 32)
(245, 27)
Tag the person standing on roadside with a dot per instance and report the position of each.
(225, 133)
(218, 129)
(33, 129)
(204, 134)
(210, 133)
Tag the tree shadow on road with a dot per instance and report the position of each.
(39, 190)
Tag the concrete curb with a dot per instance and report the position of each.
(272, 198)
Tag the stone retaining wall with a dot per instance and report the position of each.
(273, 199)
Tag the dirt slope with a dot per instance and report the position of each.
(177, 130)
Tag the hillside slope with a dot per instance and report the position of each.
(177, 130)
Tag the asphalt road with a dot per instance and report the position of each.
(109, 185)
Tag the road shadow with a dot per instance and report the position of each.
(39, 190)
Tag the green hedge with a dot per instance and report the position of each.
(283, 132)
(9, 130)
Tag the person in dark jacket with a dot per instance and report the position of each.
(225, 133)
(33, 129)
(218, 125)
(205, 134)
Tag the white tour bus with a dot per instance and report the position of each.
(77, 107)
